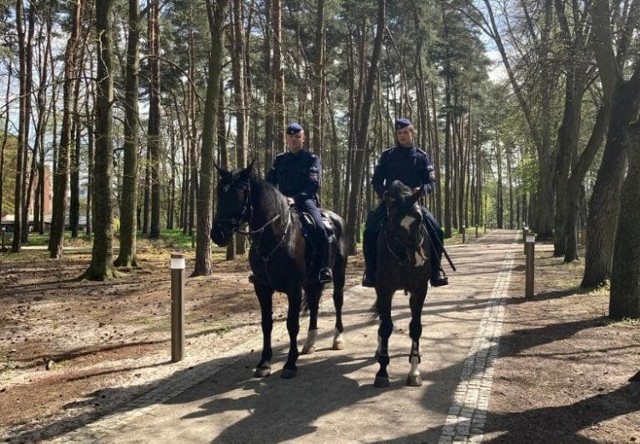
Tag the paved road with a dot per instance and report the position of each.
(332, 398)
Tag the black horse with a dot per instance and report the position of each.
(402, 264)
(280, 258)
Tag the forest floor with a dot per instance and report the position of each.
(72, 351)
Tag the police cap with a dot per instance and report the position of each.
(294, 128)
(402, 123)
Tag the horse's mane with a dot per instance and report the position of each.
(398, 189)
(268, 194)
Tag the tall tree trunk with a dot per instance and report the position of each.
(56, 238)
(216, 15)
(267, 63)
(362, 129)
(625, 280)
(41, 100)
(318, 81)
(5, 136)
(574, 184)
(605, 200)
(240, 96)
(101, 267)
(22, 119)
(129, 200)
(154, 117)
(27, 177)
(277, 75)
(90, 112)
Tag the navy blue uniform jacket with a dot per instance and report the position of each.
(296, 175)
(411, 166)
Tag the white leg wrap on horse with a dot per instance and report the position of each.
(310, 343)
(338, 340)
(415, 363)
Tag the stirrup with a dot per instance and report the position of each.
(368, 280)
(439, 279)
(325, 276)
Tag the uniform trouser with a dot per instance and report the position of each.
(376, 220)
(319, 234)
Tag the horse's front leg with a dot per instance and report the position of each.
(383, 306)
(415, 331)
(313, 293)
(338, 301)
(265, 297)
(294, 295)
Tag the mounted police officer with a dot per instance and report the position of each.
(412, 166)
(296, 174)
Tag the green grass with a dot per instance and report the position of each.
(173, 238)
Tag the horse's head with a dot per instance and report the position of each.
(404, 224)
(233, 205)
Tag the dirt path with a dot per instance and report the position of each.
(332, 397)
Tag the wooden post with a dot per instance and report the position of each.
(529, 247)
(463, 233)
(525, 231)
(177, 307)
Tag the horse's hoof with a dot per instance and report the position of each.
(338, 340)
(288, 373)
(414, 380)
(381, 381)
(262, 372)
(308, 350)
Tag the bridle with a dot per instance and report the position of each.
(408, 248)
(246, 216)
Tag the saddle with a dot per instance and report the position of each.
(309, 224)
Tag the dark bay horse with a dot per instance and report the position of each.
(402, 264)
(280, 258)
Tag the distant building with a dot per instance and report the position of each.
(7, 220)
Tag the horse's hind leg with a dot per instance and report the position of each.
(339, 271)
(294, 296)
(383, 306)
(265, 297)
(313, 293)
(415, 331)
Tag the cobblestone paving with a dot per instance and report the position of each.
(467, 414)
(465, 419)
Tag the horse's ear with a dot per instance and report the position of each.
(416, 194)
(245, 173)
(224, 174)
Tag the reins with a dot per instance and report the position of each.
(256, 234)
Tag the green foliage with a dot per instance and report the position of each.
(174, 239)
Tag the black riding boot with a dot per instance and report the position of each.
(325, 276)
(438, 278)
(369, 251)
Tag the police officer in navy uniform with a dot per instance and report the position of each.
(412, 166)
(296, 173)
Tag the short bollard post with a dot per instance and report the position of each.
(4, 239)
(525, 231)
(530, 264)
(464, 231)
(177, 307)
